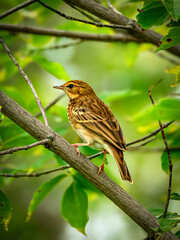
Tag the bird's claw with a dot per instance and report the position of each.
(101, 168)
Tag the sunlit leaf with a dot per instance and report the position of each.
(165, 109)
(41, 193)
(5, 211)
(54, 68)
(167, 224)
(154, 13)
(175, 196)
(74, 207)
(173, 7)
(176, 71)
(171, 39)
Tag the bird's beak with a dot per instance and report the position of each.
(58, 87)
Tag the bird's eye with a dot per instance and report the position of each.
(71, 85)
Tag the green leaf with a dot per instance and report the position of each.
(5, 211)
(153, 13)
(171, 39)
(74, 207)
(178, 234)
(173, 7)
(1, 116)
(175, 196)
(56, 69)
(176, 71)
(167, 224)
(166, 109)
(41, 193)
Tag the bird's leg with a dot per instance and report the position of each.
(101, 168)
(76, 145)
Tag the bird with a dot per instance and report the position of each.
(94, 122)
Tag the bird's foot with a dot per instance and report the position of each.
(101, 168)
(76, 145)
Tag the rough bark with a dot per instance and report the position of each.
(85, 167)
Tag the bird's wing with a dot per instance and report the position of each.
(104, 126)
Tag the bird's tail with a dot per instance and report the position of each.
(118, 156)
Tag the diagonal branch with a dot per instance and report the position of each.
(34, 174)
(15, 149)
(86, 168)
(27, 80)
(113, 17)
(16, 8)
(97, 24)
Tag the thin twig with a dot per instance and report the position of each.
(69, 34)
(27, 80)
(97, 24)
(34, 174)
(152, 150)
(169, 159)
(112, 7)
(50, 104)
(15, 149)
(154, 133)
(76, 42)
(15, 9)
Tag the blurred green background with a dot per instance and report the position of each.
(120, 74)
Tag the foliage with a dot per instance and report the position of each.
(121, 74)
(158, 12)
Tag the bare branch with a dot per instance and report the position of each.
(154, 133)
(97, 24)
(16, 8)
(34, 174)
(69, 34)
(169, 158)
(50, 104)
(27, 80)
(15, 149)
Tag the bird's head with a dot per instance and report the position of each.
(75, 89)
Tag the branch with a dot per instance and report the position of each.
(15, 149)
(34, 174)
(169, 159)
(154, 133)
(111, 16)
(69, 34)
(97, 24)
(15, 9)
(79, 162)
(27, 80)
